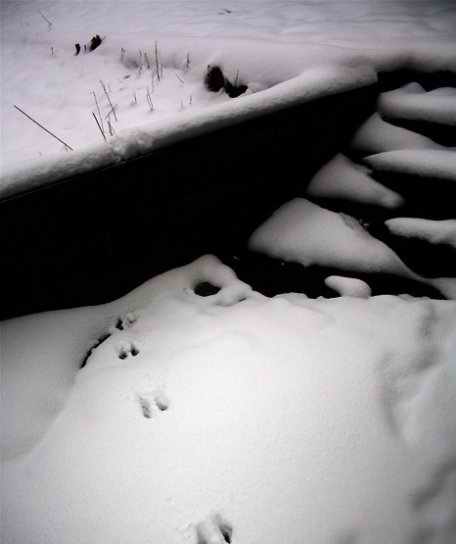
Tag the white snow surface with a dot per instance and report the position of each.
(340, 45)
(301, 231)
(377, 136)
(133, 142)
(433, 108)
(432, 231)
(420, 163)
(341, 179)
(348, 287)
(235, 414)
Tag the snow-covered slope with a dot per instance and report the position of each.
(230, 418)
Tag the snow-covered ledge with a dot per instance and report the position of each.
(133, 143)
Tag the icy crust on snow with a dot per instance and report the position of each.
(421, 163)
(432, 231)
(211, 420)
(131, 143)
(340, 178)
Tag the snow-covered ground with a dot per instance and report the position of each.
(170, 417)
(231, 418)
(262, 42)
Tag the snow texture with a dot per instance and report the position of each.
(235, 421)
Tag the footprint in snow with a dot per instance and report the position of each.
(214, 530)
(153, 402)
(127, 349)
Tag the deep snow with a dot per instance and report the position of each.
(235, 417)
(198, 417)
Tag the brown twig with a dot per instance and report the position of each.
(44, 128)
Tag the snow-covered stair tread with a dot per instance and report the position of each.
(420, 163)
(432, 108)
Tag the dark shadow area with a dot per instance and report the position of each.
(388, 81)
(273, 277)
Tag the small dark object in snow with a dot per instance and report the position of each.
(85, 48)
(215, 80)
(78, 48)
(234, 90)
(95, 42)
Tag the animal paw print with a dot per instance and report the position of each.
(124, 322)
(214, 530)
(127, 349)
(151, 403)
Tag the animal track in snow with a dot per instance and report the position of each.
(124, 323)
(126, 349)
(121, 324)
(152, 402)
(214, 530)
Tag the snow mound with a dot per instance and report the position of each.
(342, 179)
(432, 231)
(197, 421)
(348, 287)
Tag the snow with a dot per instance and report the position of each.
(432, 231)
(265, 42)
(337, 411)
(433, 163)
(348, 287)
(377, 136)
(303, 232)
(170, 417)
(342, 179)
(133, 142)
(440, 109)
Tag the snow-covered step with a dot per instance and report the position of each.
(342, 179)
(377, 136)
(426, 164)
(302, 232)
